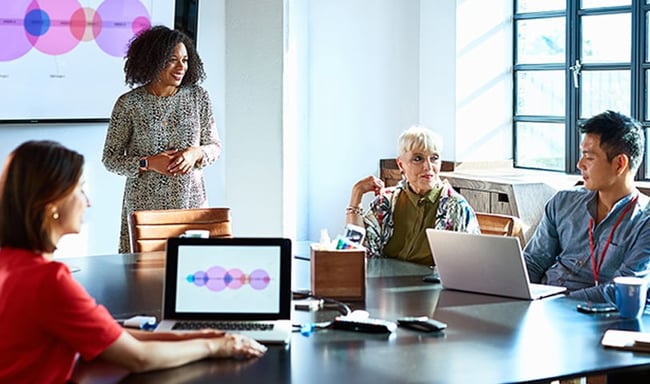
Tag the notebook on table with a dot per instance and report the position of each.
(487, 264)
(240, 285)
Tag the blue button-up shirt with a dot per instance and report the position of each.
(559, 252)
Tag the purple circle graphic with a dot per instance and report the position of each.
(259, 279)
(200, 278)
(115, 32)
(11, 18)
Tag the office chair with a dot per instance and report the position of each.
(501, 224)
(390, 173)
(149, 230)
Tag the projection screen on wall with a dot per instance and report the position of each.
(64, 59)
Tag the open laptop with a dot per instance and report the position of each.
(240, 285)
(488, 264)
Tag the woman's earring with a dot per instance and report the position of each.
(55, 215)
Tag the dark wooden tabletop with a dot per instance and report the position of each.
(489, 339)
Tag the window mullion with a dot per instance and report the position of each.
(573, 94)
(639, 80)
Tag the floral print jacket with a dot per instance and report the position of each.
(453, 214)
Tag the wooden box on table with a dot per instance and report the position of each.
(338, 274)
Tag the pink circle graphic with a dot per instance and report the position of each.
(81, 24)
(216, 279)
(235, 278)
(57, 40)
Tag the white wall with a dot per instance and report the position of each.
(437, 70)
(363, 90)
(254, 59)
(483, 80)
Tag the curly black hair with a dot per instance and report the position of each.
(149, 52)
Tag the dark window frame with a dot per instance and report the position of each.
(638, 68)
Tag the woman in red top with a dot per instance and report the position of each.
(46, 317)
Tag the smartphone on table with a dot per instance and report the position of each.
(591, 307)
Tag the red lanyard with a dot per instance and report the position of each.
(596, 267)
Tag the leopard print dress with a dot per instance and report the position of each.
(142, 124)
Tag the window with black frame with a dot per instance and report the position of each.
(574, 59)
(186, 17)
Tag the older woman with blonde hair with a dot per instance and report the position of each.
(396, 220)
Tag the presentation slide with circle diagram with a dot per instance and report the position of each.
(64, 59)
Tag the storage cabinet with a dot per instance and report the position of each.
(509, 194)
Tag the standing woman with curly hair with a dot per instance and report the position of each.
(162, 132)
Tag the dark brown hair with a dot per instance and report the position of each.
(36, 174)
(149, 52)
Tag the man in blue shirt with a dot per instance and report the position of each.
(592, 233)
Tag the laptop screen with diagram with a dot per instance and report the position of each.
(228, 279)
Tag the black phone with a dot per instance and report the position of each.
(432, 278)
(421, 323)
(590, 307)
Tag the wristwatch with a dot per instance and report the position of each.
(144, 164)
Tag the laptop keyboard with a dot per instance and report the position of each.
(222, 325)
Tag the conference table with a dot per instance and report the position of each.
(489, 339)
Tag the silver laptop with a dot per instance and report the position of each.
(488, 264)
(240, 285)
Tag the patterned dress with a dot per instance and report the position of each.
(141, 125)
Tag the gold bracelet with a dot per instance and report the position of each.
(354, 210)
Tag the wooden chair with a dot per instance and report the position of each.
(390, 174)
(149, 230)
(502, 225)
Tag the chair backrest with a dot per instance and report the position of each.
(502, 225)
(390, 173)
(149, 230)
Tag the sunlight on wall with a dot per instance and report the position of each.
(484, 80)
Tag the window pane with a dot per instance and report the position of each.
(540, 5)
(647, 155)
(540, 93)
(606, 38)
(647, 100)
(602, 90)
(540, 41)
(540, 145)
(647, 33)
(604, 3)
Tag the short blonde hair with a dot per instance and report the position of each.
(419, 138)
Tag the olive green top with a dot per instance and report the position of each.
(413, 213)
